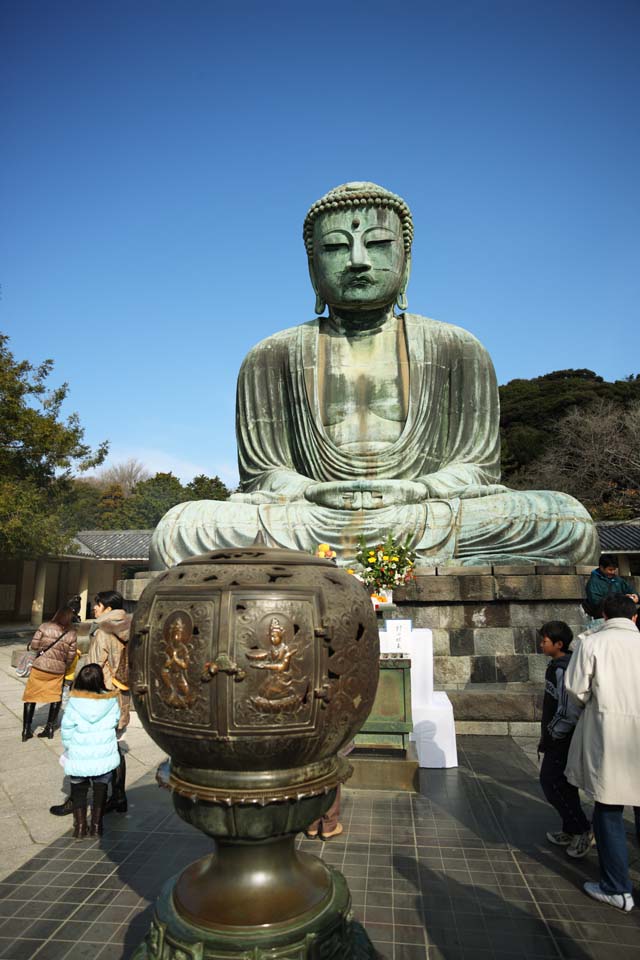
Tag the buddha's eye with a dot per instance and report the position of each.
(379, 243)
(332, 247)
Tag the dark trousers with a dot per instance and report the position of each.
(561, 794)
(611, 838)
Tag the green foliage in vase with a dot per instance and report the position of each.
(386, 565)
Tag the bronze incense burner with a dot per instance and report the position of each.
(252, 668)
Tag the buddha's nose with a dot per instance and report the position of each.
(359, 259)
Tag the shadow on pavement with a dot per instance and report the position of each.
(459, 871)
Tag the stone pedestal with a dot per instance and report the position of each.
(389, 723)
(484, 622)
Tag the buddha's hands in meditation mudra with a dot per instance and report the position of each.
(365, 494)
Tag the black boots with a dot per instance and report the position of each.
(97, 808)
(27, 719)
(79, 808)
(118, 800)
(49, 727)
(79, 802)
(62, 809)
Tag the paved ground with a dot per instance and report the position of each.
(456, 872)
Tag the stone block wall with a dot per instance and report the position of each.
(484, 622)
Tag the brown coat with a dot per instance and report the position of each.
(59, 657)
(108, 636)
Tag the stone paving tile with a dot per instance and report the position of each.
(456, 872)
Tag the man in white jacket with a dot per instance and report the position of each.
(604, 759)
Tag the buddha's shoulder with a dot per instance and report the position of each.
(439, 330)
(280, 341)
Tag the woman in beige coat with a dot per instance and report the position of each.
(604, 758)
(108, 641)
(55, 644)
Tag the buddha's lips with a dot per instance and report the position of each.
(360, 282)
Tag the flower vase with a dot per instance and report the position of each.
(382, 598)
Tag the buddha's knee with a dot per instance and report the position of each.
(198, 526)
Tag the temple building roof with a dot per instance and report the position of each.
(619, 536)
(131, 545)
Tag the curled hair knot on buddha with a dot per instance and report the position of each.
(358, 194)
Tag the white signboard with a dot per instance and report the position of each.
(396, 638)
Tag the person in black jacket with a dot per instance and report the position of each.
(559, 717)
(603, 582)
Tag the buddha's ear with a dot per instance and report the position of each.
(401, 299)
(320, 304)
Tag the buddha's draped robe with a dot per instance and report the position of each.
(450, 442)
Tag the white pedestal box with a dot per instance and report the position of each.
(432, 713)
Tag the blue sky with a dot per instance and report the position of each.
(159, 157)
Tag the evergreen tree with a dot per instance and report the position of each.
(152, 498)
(115, 511)
(207, 488)
(38, 452)
(530, 410)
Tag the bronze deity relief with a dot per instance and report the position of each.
(280, 663)
(177, 647)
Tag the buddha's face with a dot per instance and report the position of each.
(358, 257)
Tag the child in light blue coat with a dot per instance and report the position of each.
(89, 738)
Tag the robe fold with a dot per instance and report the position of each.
(452, 424)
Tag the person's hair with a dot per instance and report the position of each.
(75, 603)
(618, 605)
(606, 560)
(558, 632)
(63, 617)
(110, 598)
(90, 679)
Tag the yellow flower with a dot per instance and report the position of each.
(395, 559)
(349, 570)
(385, 557)
(324, 547)
(371, 560)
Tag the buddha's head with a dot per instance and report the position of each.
(358, 239)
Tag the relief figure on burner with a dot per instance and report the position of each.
(177, 634)
(279, 689)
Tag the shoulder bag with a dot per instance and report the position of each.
(28, 658)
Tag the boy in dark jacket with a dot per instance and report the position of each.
(559, 717)
(604, 581)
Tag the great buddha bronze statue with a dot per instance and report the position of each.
(369, 420)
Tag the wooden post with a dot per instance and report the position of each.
(37, 604)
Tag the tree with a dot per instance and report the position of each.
(152, 498)
(207, 488)
(593, 455)
(93, 504)
(38, 452)
(81, 510)
(126, 474)
(115, 511)
(530, 410)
